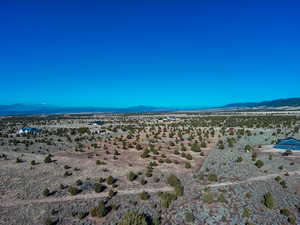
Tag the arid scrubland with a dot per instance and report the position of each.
(149, 169)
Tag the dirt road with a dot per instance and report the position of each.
(82, 196)
(249, 180)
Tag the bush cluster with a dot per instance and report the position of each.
(131, 176)
(133, 218)
(100, 211)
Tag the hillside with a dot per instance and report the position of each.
(36, 109)
(289, 102)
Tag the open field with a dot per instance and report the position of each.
(172, 169)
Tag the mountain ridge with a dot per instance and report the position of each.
(283, 102)
(23, 109)
(33, 109)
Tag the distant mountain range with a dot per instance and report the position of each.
(34, 109)
(38, 109)
(289, 102)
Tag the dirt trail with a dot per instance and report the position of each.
(133, 191)
(81, 196)
(259, 178)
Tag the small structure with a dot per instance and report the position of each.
(289, 143)
(102, 132)
(169, 118)
(172, 117)
(28, 131)
(96, 123)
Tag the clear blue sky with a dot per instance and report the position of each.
(159, 53)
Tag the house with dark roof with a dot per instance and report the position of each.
(289, 143)
(97, 123)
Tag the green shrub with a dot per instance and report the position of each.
(246, 213)
(144, 196)
(249, 223)
(189, 156)
(82, 215)
(179, 190)
(100, 210)
(248, 195)
(153, 164)
(259, 163)
(221, 146)
(18, 160)
(112, 193)
(48, 159)
(66, 167)
(188, 165)
(269, 201)
(132, 176)
(114, 207)
(239, 159)
(278, 179)
(283, 184)
(168, 161)
(254, 156)
(221, 198)
(67, 174)
(133, 218)
(78, 182)
(149, 173)
(145, 154)
(248, 148)
(156, 221)
(173, 181)
(280, 167)
(189, 217)
(143, 182)
(195, 147)
(212, 177)
(98, 162)
(208, 198)
(73, 190)
(46, 192)
(49, 221)
(134, 203)
(166, 199)
(62, 186)
(110, 180)
(99, 187)
(292, 220)
(285, 212)
(156, 179)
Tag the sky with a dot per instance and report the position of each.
(156, 53)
